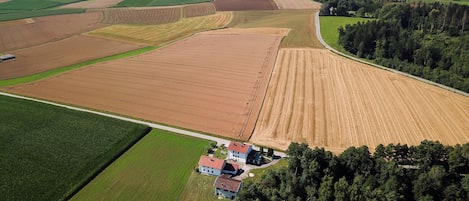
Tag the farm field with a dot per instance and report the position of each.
(301, 23)
(212, 82)
(199, 10)
(330, 26)
(156, 168)
(163, 33)
(47, 152)
(237, 5)
(199, 187)
(297, 4)
(75, 49)
(46, 29)
(92, 4)
(326, 100)
(141, 16)
(147, 3)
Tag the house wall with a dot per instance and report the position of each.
(209, 170)
(237, 156)
(224, 193)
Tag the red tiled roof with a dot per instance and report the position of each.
(238, 147)
(226, 183)
(211, 162)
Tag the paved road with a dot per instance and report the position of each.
(318, 34)
(150, 124)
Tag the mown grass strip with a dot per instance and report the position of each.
(56, 71)
(156, 168)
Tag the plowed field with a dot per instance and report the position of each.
(297, 4)
(93, 4)
(212, 82)
(61, 53)
(199, 9)
(326, 100)
(158, 34)
(235, 5)
(141, 16)
(46, 29)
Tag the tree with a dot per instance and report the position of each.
(341, 190)
(270, 152)
(326, 190)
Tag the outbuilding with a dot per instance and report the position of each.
(227, 187)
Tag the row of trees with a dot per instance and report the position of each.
(346, 7)
(429, 171)
(429, 41)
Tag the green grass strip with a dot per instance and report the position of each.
(56, 71)
(38, 13)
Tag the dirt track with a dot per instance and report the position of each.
(46, 29)
(326, 100)
(61, 53)
(212, 82)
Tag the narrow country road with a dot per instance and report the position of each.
(150, 124)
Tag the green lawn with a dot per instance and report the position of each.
(48, 152)
(330, 25)
(156, 168)
(299, 21)
(199, 187)
(140, 3)
(56, 71)
(259, 172)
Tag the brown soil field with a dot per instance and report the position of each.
(93, 4)
(47, 29)
(236, 5)
(199, 10)
(141, 16)
(297, 4)
(329, 101)
(212, 82)
(61, 53)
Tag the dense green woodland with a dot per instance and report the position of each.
(429, 171)
(426, 40)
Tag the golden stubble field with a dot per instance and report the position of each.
(325, 100)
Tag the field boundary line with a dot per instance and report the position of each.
(321, 40)
(128, 119)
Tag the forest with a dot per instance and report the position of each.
(429, 171)
(426, 40)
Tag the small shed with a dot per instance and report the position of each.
(227, 187)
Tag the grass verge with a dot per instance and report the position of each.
(48, 152)
(56, 71)
(156, 168)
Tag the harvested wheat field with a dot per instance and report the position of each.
(199, 10)
(326, 100)
(212, 82)
(141, 15)
(61, 53)
(46, 29)
(236, 5)
(162, 33)
(297, 4)
(93, 4)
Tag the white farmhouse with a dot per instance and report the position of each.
(226, 187)
(211, 166)
(238, 151)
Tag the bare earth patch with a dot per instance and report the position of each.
(212, 82)
(326, 100)
(61, 53)
(297, 4)
(93, 4)
(46, 29)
